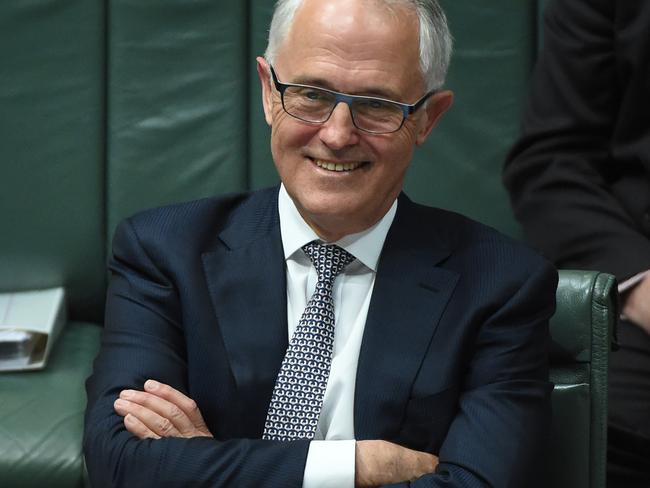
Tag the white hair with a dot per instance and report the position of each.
(435, 38)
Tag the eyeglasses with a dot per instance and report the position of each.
(369, 114)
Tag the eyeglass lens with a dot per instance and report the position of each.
(314, 105)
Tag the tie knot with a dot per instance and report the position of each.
(328, 259)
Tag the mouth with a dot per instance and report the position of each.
(338, 167)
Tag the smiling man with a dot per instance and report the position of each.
(342, 178)
(328, 332)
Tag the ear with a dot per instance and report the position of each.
(435, 108)
(264, 73)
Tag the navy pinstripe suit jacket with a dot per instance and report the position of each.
(453, 359)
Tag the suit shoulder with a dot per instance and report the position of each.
(470, 237)
(196, 221)
(490, 265)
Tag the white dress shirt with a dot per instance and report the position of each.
(331, 458)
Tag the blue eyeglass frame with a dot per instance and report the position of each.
(407, 109)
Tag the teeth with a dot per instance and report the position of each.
(336, 166)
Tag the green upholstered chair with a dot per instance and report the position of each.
(111, 106)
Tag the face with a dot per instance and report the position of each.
(343, 180)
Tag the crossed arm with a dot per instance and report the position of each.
(161, 411)
(162, 429)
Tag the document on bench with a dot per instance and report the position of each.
(30, 322)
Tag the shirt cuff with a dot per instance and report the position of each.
(330, 464)
(630, 282)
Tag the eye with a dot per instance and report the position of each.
(310, 94)
(376, 104)
(373, 106)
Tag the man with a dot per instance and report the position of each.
(579, 179)
(436, 371)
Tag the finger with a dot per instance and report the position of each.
(138, 429)
(162, 407)
(157, 424)
(185, 403)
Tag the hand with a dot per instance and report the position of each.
(636, 305)
(383, 463)
(160, 411)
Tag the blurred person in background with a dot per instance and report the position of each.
(579, 181)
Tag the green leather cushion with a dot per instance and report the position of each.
(41, 424)
(177, 102)
(262, 169)
(52, 149)
(459, 167)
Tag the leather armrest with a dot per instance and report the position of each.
(582, 333)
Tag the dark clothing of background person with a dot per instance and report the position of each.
(579, 180)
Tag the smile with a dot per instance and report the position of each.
(339, 167)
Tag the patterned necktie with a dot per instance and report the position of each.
(300, 386)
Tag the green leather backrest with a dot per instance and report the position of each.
(177, 102)
(111, 106)
(459, 167)
(52, 117)
(262, 170)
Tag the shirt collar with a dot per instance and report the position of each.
(366, 246)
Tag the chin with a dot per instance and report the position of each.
(330, 204)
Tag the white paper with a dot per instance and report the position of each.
(39, 312)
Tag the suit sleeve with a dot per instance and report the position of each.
(561, 171)
(499, 436)
(143, 338)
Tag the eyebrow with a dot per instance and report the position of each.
(378, 92)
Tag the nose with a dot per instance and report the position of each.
(339, 130)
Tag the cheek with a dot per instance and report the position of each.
(281, 136)
(288, 134)
(288, 142)
(409, 132)
(395, 153)
(403, 147)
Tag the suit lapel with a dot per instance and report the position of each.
(247, 284)
(246, 278)
(409, 296)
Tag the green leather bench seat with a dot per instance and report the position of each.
(111, 106)
(42, 415)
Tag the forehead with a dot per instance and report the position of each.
(354, 46)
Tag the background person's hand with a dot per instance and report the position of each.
(160, 411)
(383, 463)
(636, 305)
